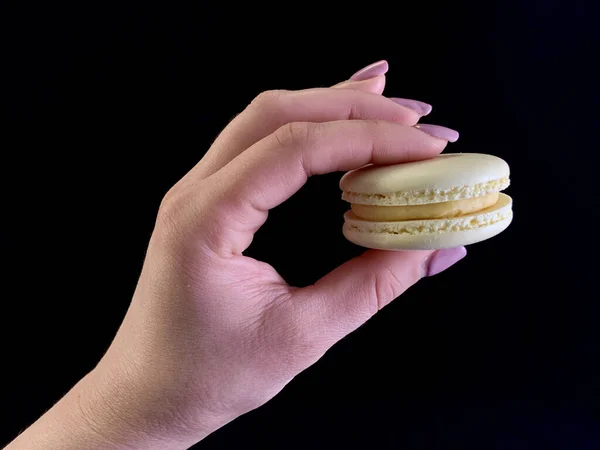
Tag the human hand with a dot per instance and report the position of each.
(212, 334)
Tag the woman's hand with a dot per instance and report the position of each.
(212, 334)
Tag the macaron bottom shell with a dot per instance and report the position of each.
(432, 234)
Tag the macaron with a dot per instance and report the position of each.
(447, 201)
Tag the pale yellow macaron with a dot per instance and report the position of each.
(451, 200)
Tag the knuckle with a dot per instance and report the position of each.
(166, 207)
(271, 100)
(302, 340)
(190, 213)
(405, 116)
(295, 134)
(297, 343)
(354, 112)
(170, 208)
(302, 348)
(371, 128)
(174, 208)
(388, 286)
(374, 131)
(376, 126)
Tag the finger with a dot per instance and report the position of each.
(275, 168)
(372, 70)
(347, 297)
(250, 127)
(371, 77)
(273, 109)
(375, 85)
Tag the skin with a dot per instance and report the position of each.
(210, 333)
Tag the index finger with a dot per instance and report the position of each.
(273, 169)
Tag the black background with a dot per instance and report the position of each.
(107, 104)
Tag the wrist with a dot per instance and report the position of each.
(111, 409)
(67, 426)
(129, 409)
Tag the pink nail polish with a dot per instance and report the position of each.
(421, 108)
(373, 70)
(439, 132)
(443, 259)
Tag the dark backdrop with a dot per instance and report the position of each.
(106, 104)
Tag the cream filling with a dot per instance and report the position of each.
(441, 210)
(437, 227)
(425, 196)
(501, 210)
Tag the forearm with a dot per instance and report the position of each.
(101, 414)
(64, 426)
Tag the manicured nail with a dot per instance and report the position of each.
(442, 259)
(421, 108)
(439, 132)
(373, 70)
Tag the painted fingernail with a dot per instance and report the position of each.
(421, 108)
(442, 259)
(373, 70)
(439, 131)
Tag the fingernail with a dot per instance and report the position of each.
(420, 108)
(442, 259)
(373, 70)
(439, 132)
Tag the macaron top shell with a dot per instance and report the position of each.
(446, 177)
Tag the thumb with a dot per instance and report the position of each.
(347, 297)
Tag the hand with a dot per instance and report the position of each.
(212, 334)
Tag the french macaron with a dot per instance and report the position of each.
(447, 201)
